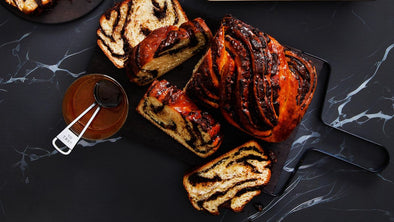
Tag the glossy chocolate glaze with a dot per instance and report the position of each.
(171, 40)
(255, 81)
(304, 73)
(196, 122)
(158, 12)
(175, 36)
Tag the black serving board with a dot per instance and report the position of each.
(374, 161)
(311, 134)
(62, 11)
(288, 154)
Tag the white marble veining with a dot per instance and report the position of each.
(30, 154)
(293, 200)
(297, 149)
(329, 195)
(306, 136)
(383, 178)
(27, 66)
(361, 20)
(296, 197)
(344, 118)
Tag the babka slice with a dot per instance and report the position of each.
(172, 111)
(30, 6)
(129, 22)
(232, 179)
(259, 87)
(166, 48)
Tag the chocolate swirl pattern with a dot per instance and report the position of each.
(232, 179)
(305, 73)
(259, 86)
(127, 23)
(173, 112)
(165, 48)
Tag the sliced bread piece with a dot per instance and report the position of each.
(232, 179)
(127, 23)
(172, 111)
(166, 48)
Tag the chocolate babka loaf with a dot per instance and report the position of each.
(232, 179)
(173, 112)
(129, 22)
(30, 6)
(306, 76)
(260, 87)
(165, 48)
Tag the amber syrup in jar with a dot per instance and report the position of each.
(80, 96)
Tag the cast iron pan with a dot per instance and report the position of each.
(62, 11)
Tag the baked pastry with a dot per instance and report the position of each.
(260, 87)
(129, 22)
(30, 6)
(165, 48)
(306, 76)
(232, 179)
(173, 112)
(204, 84)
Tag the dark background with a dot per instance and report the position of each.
(136, 175)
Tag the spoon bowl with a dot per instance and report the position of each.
(94, 90)
(107, 94)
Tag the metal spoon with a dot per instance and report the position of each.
(107, 95)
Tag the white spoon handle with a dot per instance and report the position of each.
(68, 138)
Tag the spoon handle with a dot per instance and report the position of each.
(69, 138)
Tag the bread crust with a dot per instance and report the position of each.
(173, 112)
(165, 48)
(246, 75)
(126, 24)
(231, 180)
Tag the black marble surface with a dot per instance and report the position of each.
(108, 181)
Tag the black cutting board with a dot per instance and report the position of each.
(138, 131)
